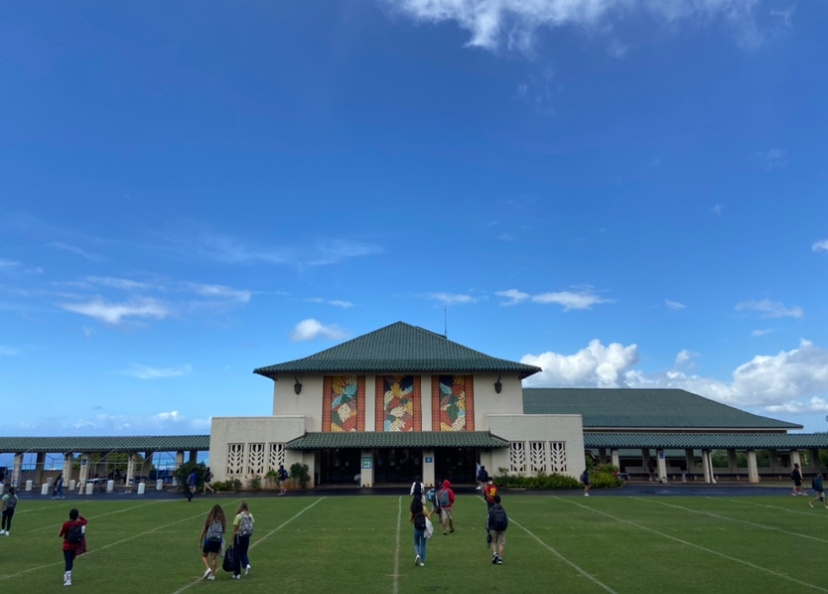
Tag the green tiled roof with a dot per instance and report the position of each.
(165, 443)
(398, 348)
(395, 439)
(712, 441)
(610, 408)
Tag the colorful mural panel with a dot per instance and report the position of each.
(452, 403)
(344, 407)
(398, 403)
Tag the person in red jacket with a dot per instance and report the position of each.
(445, 497)
(489, 492)
(72, 533)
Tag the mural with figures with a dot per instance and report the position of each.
(398, 403)
(453, 401)
(344, 403)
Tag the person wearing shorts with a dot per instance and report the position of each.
(816, 485)
(210, 540)
(496, 523)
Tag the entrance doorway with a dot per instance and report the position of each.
(455, 464)
(339, 466)
(397, 465)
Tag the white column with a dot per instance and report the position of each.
(84, 470)
(17, 473)
(428, 467)
(366, 459)
(707, 463)
(616, 460)
(130, 473)
(68, 469)
(662, 465)
(795, 459)
(753, 467)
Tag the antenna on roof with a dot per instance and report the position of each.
(445, 321)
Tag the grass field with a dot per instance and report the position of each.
(364, 544)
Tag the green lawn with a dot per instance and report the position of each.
(363, 544)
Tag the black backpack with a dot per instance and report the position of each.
(499, 520)
(74, 535)
(419, 521)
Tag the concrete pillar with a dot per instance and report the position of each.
(602, 455)
(733, 463)
(662, 465)
(690, 461)
(68, 469)
(179, 459)
(645, 461)
(707, 464)
(795, 459)
(40, 462)
(17, 471)
(130, 473)
(816, 465)
(193, 456)
(366, 464)
(616, 459)
(146, 468)
(773, 463)
(753, 467)
(428, 467)
(83, 476)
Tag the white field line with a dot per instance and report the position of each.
(97, 549)
(268, 535)
(578, 569)
(695, 546)
(117, 511)
(396, 575)
(807, 512)
(729, 519)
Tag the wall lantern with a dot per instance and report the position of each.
(297, 387)
(497, 385)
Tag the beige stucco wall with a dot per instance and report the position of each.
(226, 430)
(527, 428)
(487, 401)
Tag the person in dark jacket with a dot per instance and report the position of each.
(816, 485)
(496, 523)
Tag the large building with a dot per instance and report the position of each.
(402, 402)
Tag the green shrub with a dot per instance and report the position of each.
(301, 473)
(182, 472)
(539, 481)
(256, 483)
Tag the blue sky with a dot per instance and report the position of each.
(627, 194)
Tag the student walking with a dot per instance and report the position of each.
(283, 477)
(445, 499)
(242, 531)
(420, 518)
(417, 489)
(10, 500)
(796, 477)
(816, 485)
(72, 533)
(585, 481)
(208, 478)
(192, 484)
(496, 523)
(210, 540)
(57, 492)
(489, 492)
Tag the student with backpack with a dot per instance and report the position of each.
(496, 523)
(445, 499)
(421, 518)
(10, 500)
(210, 540)
(242, 531)
(72, 533)
(283, 477)
(417, 490)
(816, 485)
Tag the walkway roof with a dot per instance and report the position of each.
(408, 439)
(136, 443)
(710, 441)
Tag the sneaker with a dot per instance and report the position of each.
(452, 531)
(237, 577)
(422, 563)
(417, 560)
(494, 559)
(212, 578)
(206, 574)
(247, 570)
(500, 560)
(67, 582)
(811, 503)
(586, 494)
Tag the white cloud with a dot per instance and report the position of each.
(122, 284)
(7, 351)
(452, 298)
(334, 302)
(685, 356)
(146, 372)
(570, 300)
(596, 365)
(673, 304)
(514, 23)
(513, 296)
(114, 313)
(770, 309)
(820, 246)
(162, 423)
(774, 158)
(759, 332)
(310, 329)
(77, 251)
(8, 263)
(220, 292)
